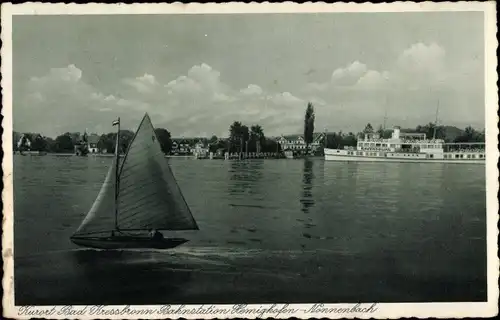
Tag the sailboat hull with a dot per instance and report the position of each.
(127, 242)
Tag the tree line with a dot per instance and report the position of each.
(248, 139)
(65, 143)
(243, 138)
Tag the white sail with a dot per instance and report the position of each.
(101, 217)
(148, 195)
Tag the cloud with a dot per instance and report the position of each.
(183, 85)
(68, 74)
(143, 84)
(61, 101)
(373, 79)
(199, 102)
(349, 75)
(422, 58)
(252, 89)
(418, 66)
(409, 89)
(286, 98)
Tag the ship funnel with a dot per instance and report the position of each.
(396, 132)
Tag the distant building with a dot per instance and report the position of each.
(200, 150)
(24, 143)
(297, 143)
(92, 142)
(180, 147)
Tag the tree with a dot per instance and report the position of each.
(271, 145)
(350, 140)
(309, 125)
(39, 143)
(368, 129)
(471, 135)
(106, 143)
(64, 143)
(126, 137)
(380, 131)
(75, 136)
(15, 139)
(215, 144)
(238, 135)
(334, 141)
(51, 144)
(165, 140)
(256, 137)
(213, 139)
(428, 129)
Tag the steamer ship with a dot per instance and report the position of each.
(409, 147)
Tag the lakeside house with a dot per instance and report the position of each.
(180, 146)
(92, 142)
(24, 142)
(200, 150)
(296, 142)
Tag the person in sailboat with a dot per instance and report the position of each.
(155, 234)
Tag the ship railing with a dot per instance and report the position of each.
(426, 141)
(376, 149)
(374, 140)
(467, 150)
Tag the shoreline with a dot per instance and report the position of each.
(105, 155)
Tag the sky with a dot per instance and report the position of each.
(196, 74)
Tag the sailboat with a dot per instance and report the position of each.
(138, 196)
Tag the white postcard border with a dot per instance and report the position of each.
(382, 310)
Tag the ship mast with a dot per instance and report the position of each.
(436, 121)
(385, 119)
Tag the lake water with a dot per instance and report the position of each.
(270, 231)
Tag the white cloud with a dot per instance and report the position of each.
(422, 58)
(200, 102)
(286, 98)
(349, 75)
(70, 74)
(206, 76)
(64, 100)
(183, 84)
(373, 79)
(143, 84)
(418, 66)
(252, 89)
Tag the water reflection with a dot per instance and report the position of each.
(245, 176)
(307, 200)
(347, 215)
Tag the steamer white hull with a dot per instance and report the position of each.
(342, 155)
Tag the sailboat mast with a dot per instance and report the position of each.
(117, 160)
